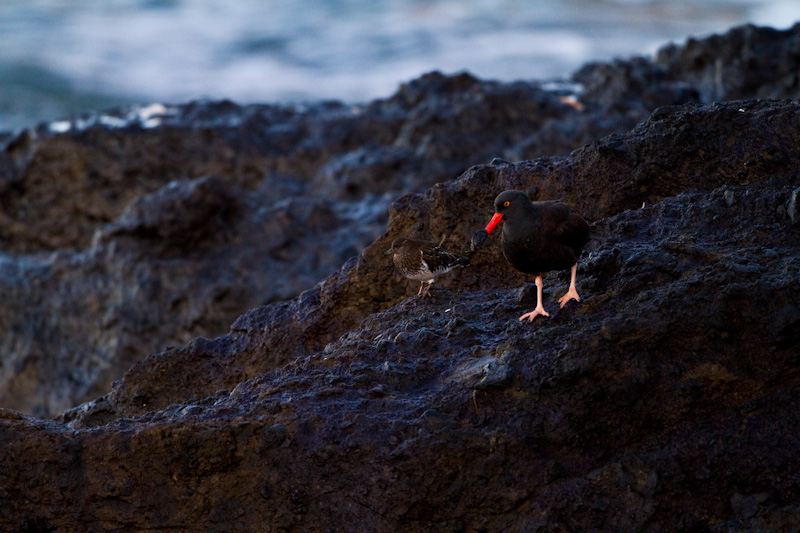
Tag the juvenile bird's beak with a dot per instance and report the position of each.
(494, 222)
(387, 252)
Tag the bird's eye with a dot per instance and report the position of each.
(506, 204)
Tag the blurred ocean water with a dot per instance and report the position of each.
(60, 57)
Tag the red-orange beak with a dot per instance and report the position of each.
(493, 223)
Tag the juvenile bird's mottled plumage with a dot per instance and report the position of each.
(423, 261)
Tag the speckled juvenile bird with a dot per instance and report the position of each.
(423, 261)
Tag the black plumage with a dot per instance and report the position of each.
(539, 237)
(423, 261)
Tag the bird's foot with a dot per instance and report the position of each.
(572, 294)
(533, 314)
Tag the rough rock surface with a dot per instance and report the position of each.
(120, 242)
(142, 228)
(667, 400)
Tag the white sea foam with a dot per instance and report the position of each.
(293, 50)
(60, 126)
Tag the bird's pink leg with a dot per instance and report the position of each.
(572, 293)
(539, 307)
(421, 286)
(426, 293)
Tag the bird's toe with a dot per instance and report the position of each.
(570, 295)
(533, 314)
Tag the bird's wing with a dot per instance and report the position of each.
(437, 258)
(565, 225)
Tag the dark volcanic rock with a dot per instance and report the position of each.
(121, 241)
(654, 404)
(667, 400)
(746, 62)
(111, 250)
(596, 179)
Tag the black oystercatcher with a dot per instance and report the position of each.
(423, 261)
(538, 237)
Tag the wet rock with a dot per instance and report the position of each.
(666, 400)
(144, 227)
(745, 62)
(180, 215)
